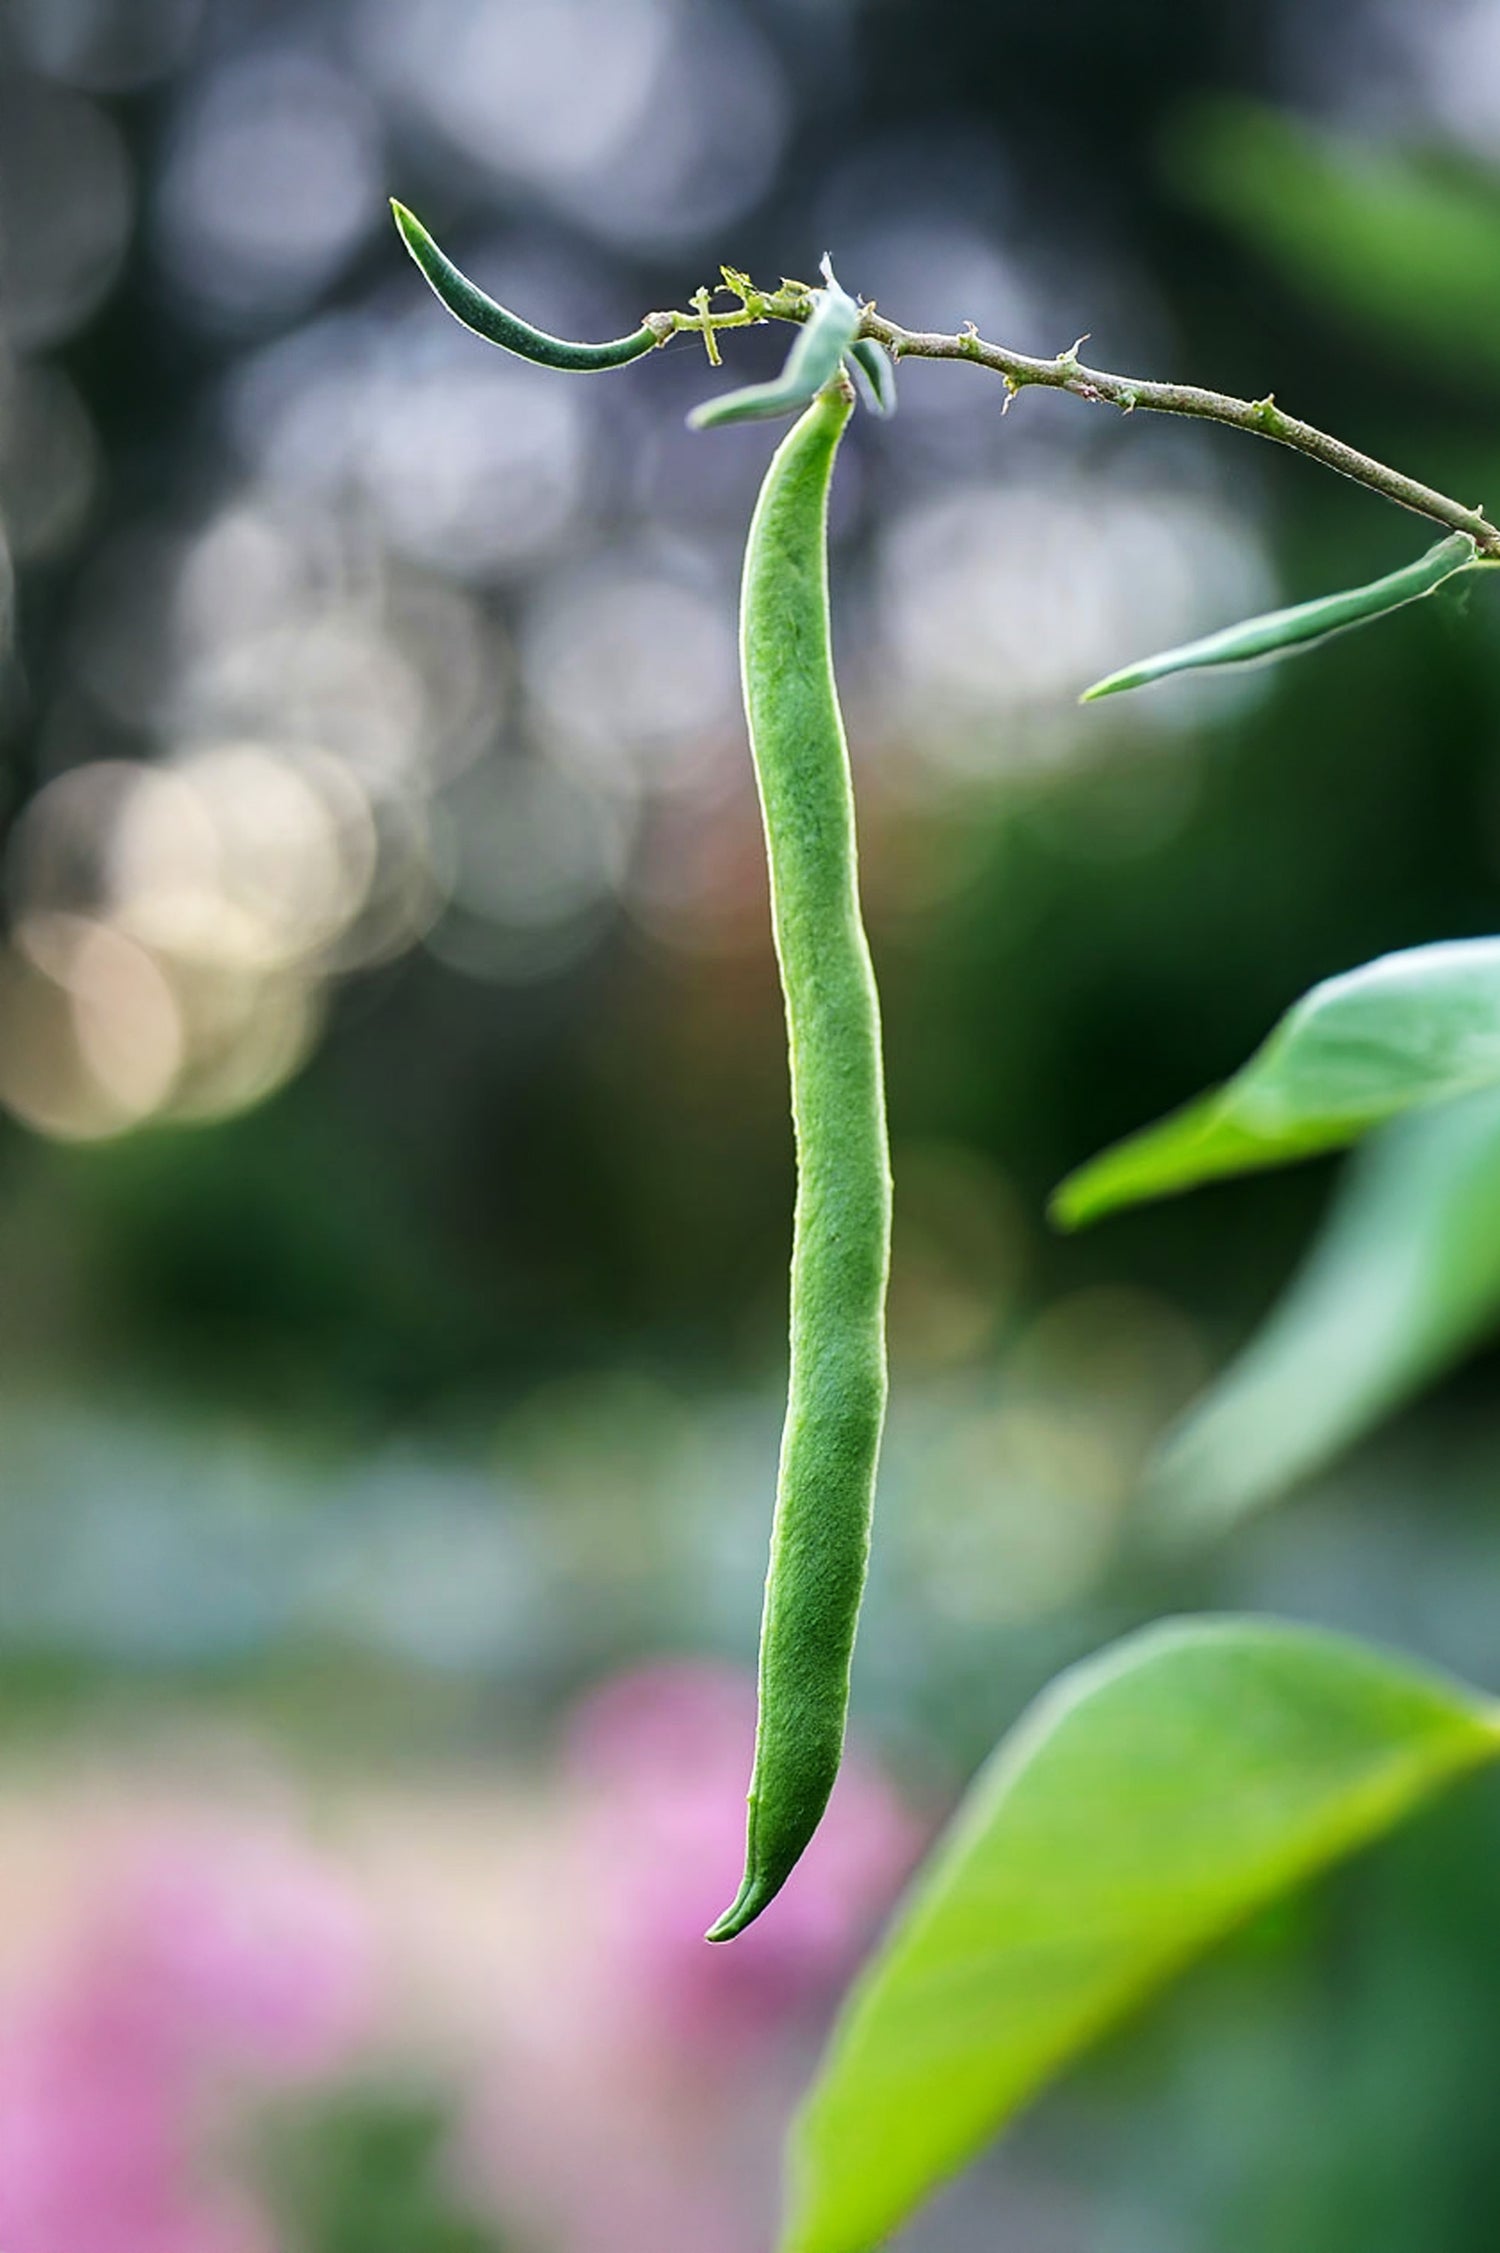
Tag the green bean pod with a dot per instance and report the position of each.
(824, 337)
(1305, 622)
(491, 321)
(841, 1242)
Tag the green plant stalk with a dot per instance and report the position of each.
(1064, 371)
(841, 1248)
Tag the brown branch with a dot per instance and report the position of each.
(1019, 370)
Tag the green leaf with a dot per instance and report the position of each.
(874, 364)
(1405, 1277)
(1411, 251)
(1409, 1029)
(1303, 624)
(1151, 1800)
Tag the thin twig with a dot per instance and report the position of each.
(1018, 370)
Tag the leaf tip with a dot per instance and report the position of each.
(1069, 1208)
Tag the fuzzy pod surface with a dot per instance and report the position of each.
(830, 1446)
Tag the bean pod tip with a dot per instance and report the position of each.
(742, 1911)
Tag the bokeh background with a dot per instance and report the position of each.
(394, 1170)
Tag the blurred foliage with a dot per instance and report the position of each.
(367, 2172)
(1405, 246)
(1403, 1280)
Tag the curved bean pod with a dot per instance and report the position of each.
(841, 1246)
(823, 339)
(491, 321)
(1305, 622)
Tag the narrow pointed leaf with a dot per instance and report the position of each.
(874, 363)
(1409, 1029)
(1404, 1279)
(1306, 622)
(824, 337)
(1151, 1800)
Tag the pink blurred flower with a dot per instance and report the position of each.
(241, 1948)
(662, 1758)
(202, 1956)
(639, 2103)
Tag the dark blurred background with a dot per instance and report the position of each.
(395, 1175)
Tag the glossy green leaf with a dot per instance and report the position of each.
(1280, 631)
(1151, 1800)
(1405, 1277)
(1408, 249)
(815, 358)
(1409, 1029)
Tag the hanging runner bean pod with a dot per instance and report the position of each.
(841, 1247)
